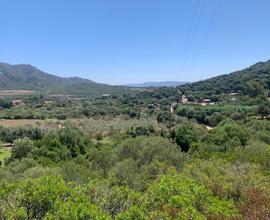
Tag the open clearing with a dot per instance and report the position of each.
(19, 122)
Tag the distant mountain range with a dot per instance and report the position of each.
(156, 84)
(28, 77)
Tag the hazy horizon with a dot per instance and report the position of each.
(129, 83)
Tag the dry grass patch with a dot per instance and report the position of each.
(19, 122)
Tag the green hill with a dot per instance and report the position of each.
(29, 77)
(233, 82)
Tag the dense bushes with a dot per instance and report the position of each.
(47, 197)
(141, 131)
(184, 136)
(10, 134)
(4, 103)
(51, 198)
(182, 198)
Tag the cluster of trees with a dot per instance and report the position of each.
(252, 81)
(5, 103)
(155, 104)
(10, 134)
(130, 105)
(213, 115)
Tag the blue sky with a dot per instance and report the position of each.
(124, 41)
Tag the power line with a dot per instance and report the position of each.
(190, 31)
(207, 33)
(195, 29)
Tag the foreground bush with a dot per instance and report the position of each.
(182, 198)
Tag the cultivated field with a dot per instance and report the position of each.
(16, 92)
(19, 122)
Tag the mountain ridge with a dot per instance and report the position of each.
(26, 76)
(233, 82)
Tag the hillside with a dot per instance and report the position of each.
(30, 78)
(233, 82)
